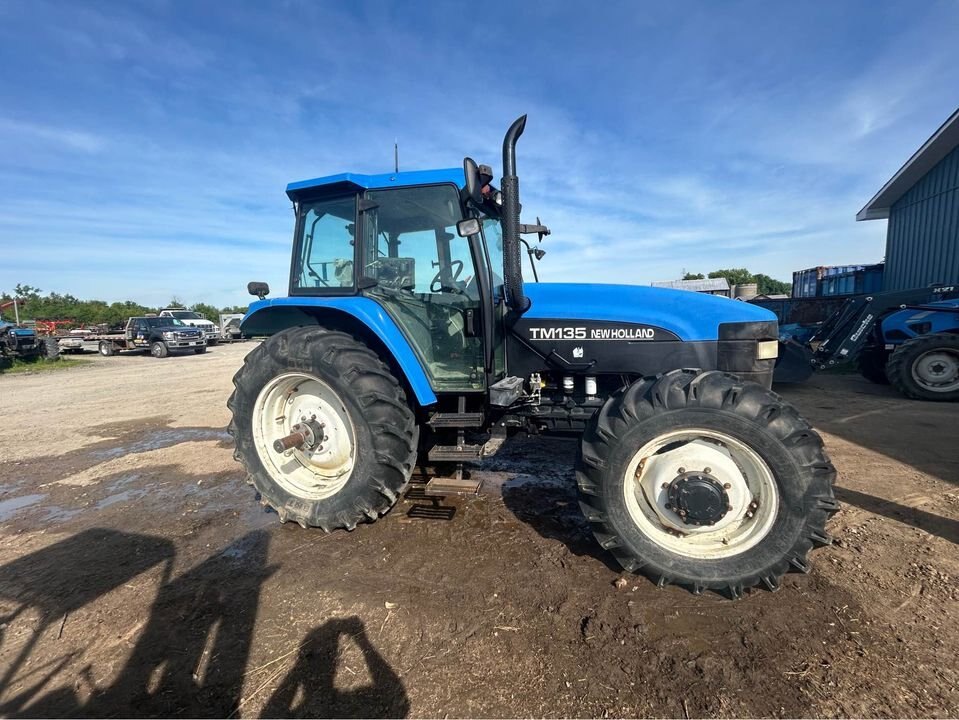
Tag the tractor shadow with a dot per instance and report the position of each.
(917, 433)
(191, 657)
(540, 490)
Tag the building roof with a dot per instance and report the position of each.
(377, 182)
(707, 285)
(942, 142)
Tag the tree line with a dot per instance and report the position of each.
(742, 276)
(32, 305)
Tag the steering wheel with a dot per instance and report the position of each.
(437, 283)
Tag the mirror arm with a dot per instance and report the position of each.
(532, 252)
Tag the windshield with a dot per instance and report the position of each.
(164, 322)
(186, 315)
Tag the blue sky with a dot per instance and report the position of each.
(145, 146)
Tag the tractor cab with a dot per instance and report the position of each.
(393, 238)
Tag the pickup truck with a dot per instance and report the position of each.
(159, 335)
(211, 333)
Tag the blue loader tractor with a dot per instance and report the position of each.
(906, 338)
(409, 338)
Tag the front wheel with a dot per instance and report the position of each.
(158, 349)
(200, 350)
(323, 428)
(703, 480)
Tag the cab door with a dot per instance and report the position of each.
(424, 275)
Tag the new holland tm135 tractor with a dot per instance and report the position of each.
(409, 337)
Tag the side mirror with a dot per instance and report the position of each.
(467, 227)
(474, 189)
(260, 289)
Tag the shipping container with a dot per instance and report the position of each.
(837, 280)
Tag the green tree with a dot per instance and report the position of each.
(771, 286)
(734, 276)
(694, 276)
(207, 311)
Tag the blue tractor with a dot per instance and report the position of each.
(410, 338)
(17, 342)
(906, 338)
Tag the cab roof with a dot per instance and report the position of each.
(346, 182)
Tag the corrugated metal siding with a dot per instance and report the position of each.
(922, 245)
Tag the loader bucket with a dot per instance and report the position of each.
(794, 364)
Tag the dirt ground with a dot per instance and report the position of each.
(139, 576)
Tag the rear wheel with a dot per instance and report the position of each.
(107, 348)
(872, 366)
(927, 367)
(323, 428)
(51, 348)
(700, 479)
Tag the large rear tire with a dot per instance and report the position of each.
(706, 481)
(927, 367)
(366, 434)
(51, 348)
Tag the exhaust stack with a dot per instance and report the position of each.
(512, 265)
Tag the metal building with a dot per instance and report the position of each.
(710, 286)
(921, 202)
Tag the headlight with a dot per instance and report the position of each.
(169, 333)
(767, 349)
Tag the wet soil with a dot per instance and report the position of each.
(139, 576)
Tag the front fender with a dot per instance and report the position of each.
(267, 317)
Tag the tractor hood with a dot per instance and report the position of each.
(20, 332)
(689, 315)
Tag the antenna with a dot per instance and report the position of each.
(396, 156)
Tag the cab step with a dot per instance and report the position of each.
(456, 420)
(452, 486)
(455, 453)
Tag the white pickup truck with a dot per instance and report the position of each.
(211, 333)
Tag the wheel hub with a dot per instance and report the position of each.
(698, 498)
(304, 436)
(937, 370)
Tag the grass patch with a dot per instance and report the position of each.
(41, 365)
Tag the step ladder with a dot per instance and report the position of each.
(459, 453)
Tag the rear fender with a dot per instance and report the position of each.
(358, 315)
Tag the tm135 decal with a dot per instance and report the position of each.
(629, 333)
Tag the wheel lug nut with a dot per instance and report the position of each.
(707, 470)
(727, 486)
(729, 508)
(665, 485)
(682, 470)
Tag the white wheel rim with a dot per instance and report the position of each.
(937, 370)
(753, 496)
(293, 398)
